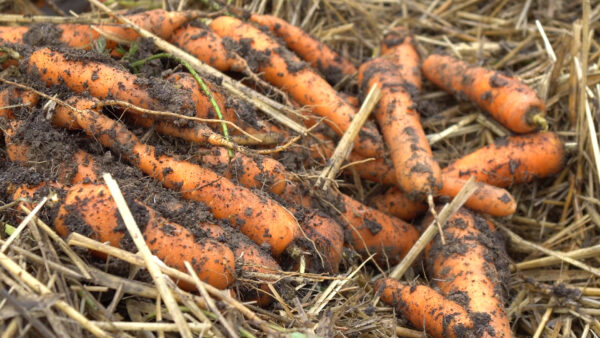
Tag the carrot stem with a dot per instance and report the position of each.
(198, 79)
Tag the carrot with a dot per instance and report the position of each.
(467, 266)
(351, 99)
(250, 258)
(331, 64)
(517, 159)
(284, 70)
(417, 173)
(324, 240)
(366, 230)
(395, 202)
(507, 99)
(197, 133)
(376, 170)
(232, 110)
(83, 169)
(12, 34)
(258, 172)
(426, 309)
(208, 48)
(261, 219)
(16, 150)
(11, 97)
(487, 199)
(101, 80)
(90, 210)
(157, 21)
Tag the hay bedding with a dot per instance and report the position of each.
(548, 44)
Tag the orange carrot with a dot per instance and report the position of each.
(517, 159)
(376, 170)
(466, 265)
(12, 34)
(258, 172)
(208, 48)
(507, 99)
(90, 210)
(368, 231)
(487, 199)
(324, 240)
(395, 202)
(102, 80)
(426, 309)
(232, 110)
(250, 258)
(10, 97)
(417, 173)
(157, 21)
(83, 169)
(332, 65)
(261, 219)
(284, 70)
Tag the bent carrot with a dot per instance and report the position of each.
(90, 210)
(331, 64)
(507, 99)
(466, 265)
(284, 70)
(102, 81)
(517, 159)
(417, 173)
(426, 309)
(261, 219)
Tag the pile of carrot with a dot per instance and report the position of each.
(263, 217)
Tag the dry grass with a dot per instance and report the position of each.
(554, 289)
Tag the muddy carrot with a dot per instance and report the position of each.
(257, 171)
(103, 81)
(250, 258)
(426, 309)
(232, 109)
(417, 173)
(324, 240)
(208, 48)
(376, 170)
(507, 99)
(157, 21)
(90, 210)
(284, 70)
(12, 97)
(368, 231)
(395, 202)
(467, 264)
(517, 159)
(261, 219)
(487, 199)
(331, 64)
